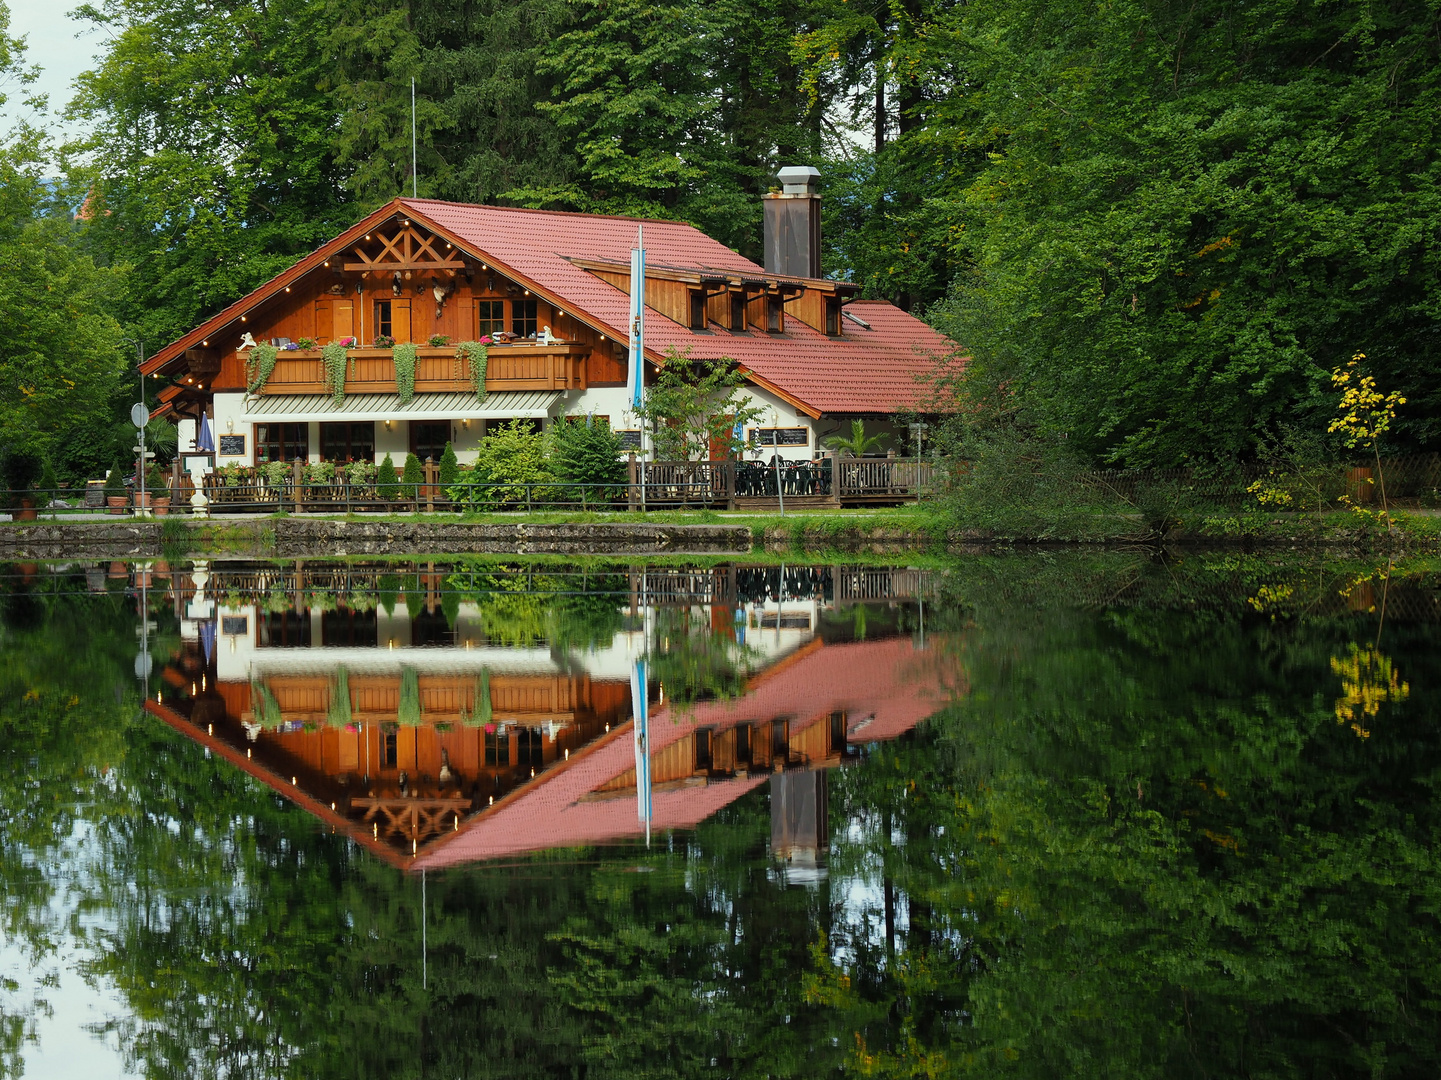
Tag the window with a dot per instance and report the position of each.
(702, 749)
(698, 319)
(497, 748)
(775, 314)
(390, 752)
(743, 743)
(738, 310)
(282, 442)
(529, 747)
(392, 318)
(428, 438)
(430, 628)
(345, 627)
(522, 318)
(833, 315)
(348, 442)
(288, 629)
(797, 436)
(490, 317)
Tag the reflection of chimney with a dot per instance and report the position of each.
(800, 833)
(793, 224)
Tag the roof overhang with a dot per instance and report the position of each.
(501, 405)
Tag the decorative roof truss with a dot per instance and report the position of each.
(400, 246)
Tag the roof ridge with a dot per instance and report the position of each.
(563, 213)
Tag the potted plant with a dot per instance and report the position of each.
(19, 470)
(115, 497)
(157, 486)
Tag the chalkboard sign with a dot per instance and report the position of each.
(629, 439)
(232, 446)
(786, 436)
(234, 624)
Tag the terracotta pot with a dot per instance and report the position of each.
(27, 511)
(162, 505)
(118, 570)
(143, 499)
(116, 503)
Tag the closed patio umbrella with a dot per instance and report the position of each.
(205, 440)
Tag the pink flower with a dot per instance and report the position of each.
(486, 340)
(347, 342)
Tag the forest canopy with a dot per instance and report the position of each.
(1158, 226)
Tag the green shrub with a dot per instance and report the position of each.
(587, 452)
(514, 453)
(49, 482)
(449, 467)
(156, 480)
(386, 485)
(412, 477)
(115, 481)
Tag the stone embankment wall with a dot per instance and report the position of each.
(291, 537)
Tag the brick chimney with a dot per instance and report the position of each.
(792, 231)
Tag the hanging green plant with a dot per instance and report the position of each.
(404, 359)
(338, 713)
(408, 711)
(482, 713)
(259, 363)
(263, 706)
(334, 355)
(476, 354)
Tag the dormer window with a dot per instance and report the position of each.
(775, 314)
(698, 318)
(738, 311)
(833, 316)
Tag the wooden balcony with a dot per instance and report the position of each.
(372, 371)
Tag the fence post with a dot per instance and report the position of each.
(730, 483)
(630, 481)
(295, 480)
(432, 471)
(835, 456)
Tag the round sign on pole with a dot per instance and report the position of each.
(139, 414)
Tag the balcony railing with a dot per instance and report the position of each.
(437, 370)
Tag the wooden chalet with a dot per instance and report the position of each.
(553, 290)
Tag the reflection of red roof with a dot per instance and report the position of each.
(871, 370)
(888, 685)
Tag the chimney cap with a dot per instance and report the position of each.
(798, 179)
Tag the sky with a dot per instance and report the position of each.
(52, 44)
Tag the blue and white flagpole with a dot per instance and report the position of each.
(640, 711)
(637, 320)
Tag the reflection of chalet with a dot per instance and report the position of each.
(435, 746)
(555, 765)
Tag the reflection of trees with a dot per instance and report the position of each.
(1137, 847)
(1368, 681)
(692, 662)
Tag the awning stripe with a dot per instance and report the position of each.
(500, 405)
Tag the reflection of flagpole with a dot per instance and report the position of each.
(640, 710)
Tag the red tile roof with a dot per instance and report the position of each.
(886, 687)
(866, 370)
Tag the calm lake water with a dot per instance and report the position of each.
(1091, 814)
